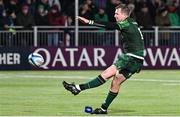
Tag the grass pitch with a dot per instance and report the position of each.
(40, 93)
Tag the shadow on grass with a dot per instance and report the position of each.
(114, 111)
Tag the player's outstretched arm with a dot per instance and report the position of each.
(107, 25)
(83, 20)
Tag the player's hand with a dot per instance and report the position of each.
(83, 20)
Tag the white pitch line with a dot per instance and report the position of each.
(42, 76)
(3, 76)
(154, 80)
(93, 116)
(171, 84)
(46, 76)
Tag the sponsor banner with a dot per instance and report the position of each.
(14, 59)
(85, 58)
(162, 58)
(89, 58)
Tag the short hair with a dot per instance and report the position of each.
(124, 8)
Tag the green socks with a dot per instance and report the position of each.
(110, 97)
(93, 83)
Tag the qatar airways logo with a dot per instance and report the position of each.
(104, 57)
(83, 57)
(165, 58)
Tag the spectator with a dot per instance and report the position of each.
(55, 2)
(7, 18)
(101, 15)
(162, 18)
(2, 24)
(41, 17)
(173, 16)
(45, 4)
(154, 5)
(2, 9)
(32, 6)
(24, 18)
(144, 18)
(85, 11)
(13, 6)
(69, 10)
(174, 21)
(92, 7)
(11, 16)
(7, 23)
(55, 18)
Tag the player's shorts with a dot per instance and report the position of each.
(128, 65)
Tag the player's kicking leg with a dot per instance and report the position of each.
(101, 79)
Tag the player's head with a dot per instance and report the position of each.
(122, 12)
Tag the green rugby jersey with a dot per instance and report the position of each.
(132, 38)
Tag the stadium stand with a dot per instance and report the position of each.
(50, 22)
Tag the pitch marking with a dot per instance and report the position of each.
(4, 76)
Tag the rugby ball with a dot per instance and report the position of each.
(35, 59)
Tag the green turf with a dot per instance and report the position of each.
(40, 93)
